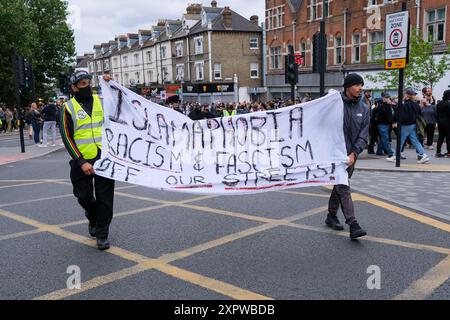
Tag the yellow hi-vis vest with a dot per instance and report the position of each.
(227, 114)
(87, 130)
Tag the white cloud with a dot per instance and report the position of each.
(100, 21)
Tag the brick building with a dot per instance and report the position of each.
(211, 54)
(353, 29)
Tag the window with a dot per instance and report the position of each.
(327, 8)
(180, 72)
(99, 66)
(198, 45)
(137, 77)
(275, 17)
(313, 9)
(375, 38)
(149, 76)
(217, 71)
(254, 71)
(199, 70)
(338, 49)
(115, 63)
(275, 58)
(253, 43)
(149, 56)
(163, 52)
(91, 67)
(179, 49)
(435, 25)
(106, 65)
(127, 78)
(356, 48)
(125, 62)
(303, 52)
(165, 74)
(136, 59)
(372, 3)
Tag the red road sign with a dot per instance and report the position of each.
(298, 59)
(396, 38)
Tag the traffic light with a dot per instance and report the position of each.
(27, 74)
(291, 68)
(316, 53)
(63, 83)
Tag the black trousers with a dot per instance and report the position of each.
(98, 209)
(341, 196)
(444, 133)
(373, 132)
(429, 131)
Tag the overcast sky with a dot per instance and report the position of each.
(100, 21)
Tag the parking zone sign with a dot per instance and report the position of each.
(396, 40)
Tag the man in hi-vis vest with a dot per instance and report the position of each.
(81, 131)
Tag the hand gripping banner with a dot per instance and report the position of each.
(147, 144)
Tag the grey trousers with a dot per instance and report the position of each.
(49, 125)
(341, 196)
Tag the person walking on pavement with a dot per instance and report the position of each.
(384, 118)
(443, 119)
(356, 132)
(9, 120)
(36, 120)
(49, 113)
(408, 119)
(429, 113)
(81, 130)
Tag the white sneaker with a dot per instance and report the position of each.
(53, 145)
(391, 159)
(423, 159)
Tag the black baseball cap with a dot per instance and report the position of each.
(410, 92)
(79, 75)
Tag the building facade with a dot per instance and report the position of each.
(353, 29)
(211, 54)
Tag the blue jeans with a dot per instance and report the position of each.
(37, 131)
(383, 130)
(410, 131)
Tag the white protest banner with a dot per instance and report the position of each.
(154, 146)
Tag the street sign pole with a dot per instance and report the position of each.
(16, 67)
(396, 57)
(323, 53)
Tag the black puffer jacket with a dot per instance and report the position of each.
(443, 112)
(356, 125)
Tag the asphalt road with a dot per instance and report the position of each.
(179, 246)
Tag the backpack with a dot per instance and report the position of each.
(420, 127)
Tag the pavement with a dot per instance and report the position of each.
(11, 151)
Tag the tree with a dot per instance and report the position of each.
(16, 31)
(55, 49)
(423, 69)
(39, 32)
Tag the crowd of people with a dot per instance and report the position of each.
(41, 121)
(197, 111)
(420, 116)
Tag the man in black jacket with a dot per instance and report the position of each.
(408, 119)
(356, 133)
(443, 117)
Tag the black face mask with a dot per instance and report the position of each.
(84, 93)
